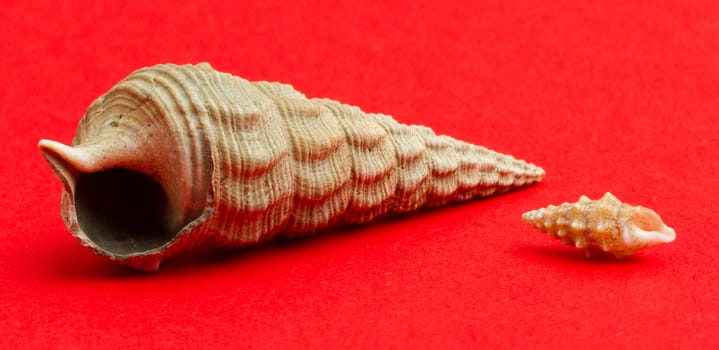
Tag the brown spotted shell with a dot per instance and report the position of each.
(604, 226)
(176, 157)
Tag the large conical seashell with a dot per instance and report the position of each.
(176, 157)
(605, 226)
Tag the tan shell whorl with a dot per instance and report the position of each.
(604, 226)
(241, 162)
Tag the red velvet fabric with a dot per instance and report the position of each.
(613, 96)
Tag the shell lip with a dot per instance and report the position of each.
(145, 260)
(633, 233)
(148, 260)
(645, 227)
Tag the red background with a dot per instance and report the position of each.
(613, 96)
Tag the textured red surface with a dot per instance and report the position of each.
(607, 96)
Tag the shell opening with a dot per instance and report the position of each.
(123, 211)
(646, 228)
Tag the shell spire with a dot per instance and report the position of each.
(604, 226)
(177, 157)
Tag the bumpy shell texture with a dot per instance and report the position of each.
(178, 157)
(604, 226)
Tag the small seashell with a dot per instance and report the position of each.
(604, 226)
(178, 157)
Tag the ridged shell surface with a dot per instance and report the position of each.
(241, 162)
(604, 226)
